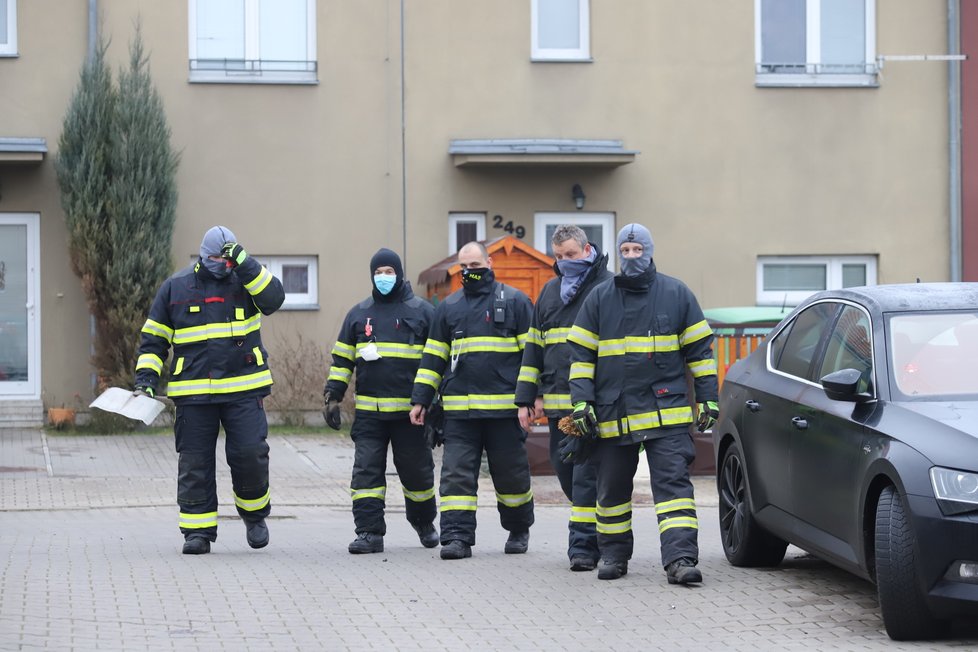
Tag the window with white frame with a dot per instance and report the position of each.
(300, 279)
(599, 228)
(253, 41)
(815, 42)
(789, 280)
(560, 30)
(8, 28)
(464, 228)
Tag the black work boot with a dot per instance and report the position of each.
(517, 543)
(580, 563)
(683, 571)
(612, 570)
(196, 545)
(427, 534)
(367, 542)
(257, 534)
(456, 550)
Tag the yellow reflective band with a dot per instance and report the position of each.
(675, 505)
(394, 350)
(254, 504)
(341, 374)
(217, 330)
(459, 503)
(584, 337)
(375, 492)
(702, 368)
(614, 510)
(609, 429)
(533, 337)
(614, 528)
(638, 344)
(195, 309)
(428, 377)
(557, 402)
(521, 340)
(676, 416)
(528, 375)
(341, 350)
(513, 500)
(678, 521)
(696, 332)
(259, 358)
(479, 402)
(239, 314)
(582, 370)
(419, 496)
(486, 345)
(583, 514)
(434, 347)
(198, 521)
(150, 361)
(556, 335)
(178, 367)
(643, 421)
(219, 385)
(159, 330)
(389, 404)
(259, 283)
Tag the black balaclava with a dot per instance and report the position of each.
(386, 258)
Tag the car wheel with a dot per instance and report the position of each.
(745, 542)
(905, 613)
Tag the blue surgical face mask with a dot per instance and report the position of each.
(385, 282)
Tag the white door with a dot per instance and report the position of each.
(19, 313)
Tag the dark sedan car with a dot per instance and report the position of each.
(852, 433)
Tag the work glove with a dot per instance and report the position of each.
(709, 411)
(331, 411)
(144, 390)
(434, 425)
(585, 420)
(234, 253)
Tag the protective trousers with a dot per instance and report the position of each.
(502, 440)
(669, 458)
(196, 429)
(415, 468)
(579, 482)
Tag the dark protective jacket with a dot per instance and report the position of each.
(631, 345)
(214, 327)
(398, 327)
(546, 358)
(473, 352)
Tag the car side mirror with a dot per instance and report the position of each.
(842, 385)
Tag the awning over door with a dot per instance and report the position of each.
(22, 150)
(569, 152)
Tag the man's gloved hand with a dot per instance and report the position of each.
(234, 253)
(568, 448)
(434, 425)
(144, 390)
(585, 420)
(709, 411)
(331, 411)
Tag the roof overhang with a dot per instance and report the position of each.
(22, 150)
(560, 152)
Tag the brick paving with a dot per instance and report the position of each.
(90, 559)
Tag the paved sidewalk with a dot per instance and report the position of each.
(91, 560)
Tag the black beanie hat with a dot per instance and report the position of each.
(386, 258)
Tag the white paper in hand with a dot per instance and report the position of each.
(124, 402)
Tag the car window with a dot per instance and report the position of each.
(800, 341)
(849, 347)
(933, 354)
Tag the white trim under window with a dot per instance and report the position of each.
(815, 43)
(560, 30)
(789, 280)
(601, 225)
(299, 276)
(455, 220)
(252, 41)
(8, 28)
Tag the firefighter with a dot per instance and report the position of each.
(210, 313)
(543, 385)
(472, 357)
(632, 344)
(382, 338)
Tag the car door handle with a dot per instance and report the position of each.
(799, 423)
(753, 406)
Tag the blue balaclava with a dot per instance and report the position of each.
(214, 240)
(633, 267)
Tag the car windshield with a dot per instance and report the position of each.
(933, 353)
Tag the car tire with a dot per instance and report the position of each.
(745, 542)
(905, 612)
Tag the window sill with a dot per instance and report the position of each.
(815, 80)
(300, 306)
(561, 60)
(252, 77)
(9, 55)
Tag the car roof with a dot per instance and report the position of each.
(909, 296)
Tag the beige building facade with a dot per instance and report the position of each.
(322, 130)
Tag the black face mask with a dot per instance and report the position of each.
(478, 277)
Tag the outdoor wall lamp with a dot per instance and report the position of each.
(578, 194)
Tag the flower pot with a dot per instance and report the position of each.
(61, 417)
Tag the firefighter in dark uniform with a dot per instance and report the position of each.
(543, 385)
(382, 338)
(632, 344)
(210, 313)
(472, 357)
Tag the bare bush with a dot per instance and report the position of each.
(299, 369)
